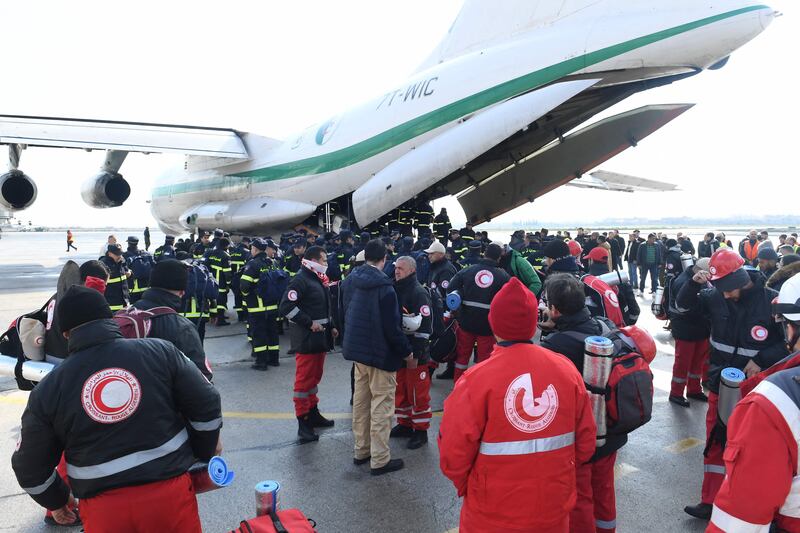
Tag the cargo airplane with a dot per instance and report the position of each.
(492, 116)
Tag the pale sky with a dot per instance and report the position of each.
(276, 67)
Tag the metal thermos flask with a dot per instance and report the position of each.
(597, 358)
(729, 392)
(658, 298)
(618, 277)
(267, 497)
(687, 261)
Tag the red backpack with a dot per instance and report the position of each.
(135, 323)
(604, 296)
(286, 521)
(629, 392)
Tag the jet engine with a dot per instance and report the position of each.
(17, 190)
(107, 189)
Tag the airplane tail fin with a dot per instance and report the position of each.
(480, 24)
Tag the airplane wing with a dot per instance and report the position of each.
(613, 181)
(121, 136)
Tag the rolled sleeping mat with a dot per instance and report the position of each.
(453, 300)
(31, 370)
(212, 475)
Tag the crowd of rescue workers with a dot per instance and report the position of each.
(530, 421)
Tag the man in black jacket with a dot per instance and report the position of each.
(630, 257)
(439, 276)
(690, 329)
(117, 286)
(130, 416)
(218, 262)
(708, 246)
(477, 286)
(307, 306)
(262, 327)
(649, 257)
(442, 226)
(744, 335)
(167, 286)
(413, 396)
(378, 346)
(570, 322)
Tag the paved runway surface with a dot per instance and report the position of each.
(658, 472)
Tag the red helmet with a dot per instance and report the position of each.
(644, 342)
(724, 261)
(575, 248)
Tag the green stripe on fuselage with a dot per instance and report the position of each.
(439, 117)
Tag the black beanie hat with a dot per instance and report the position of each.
(80, 305)
(556, 249)
(170, 274)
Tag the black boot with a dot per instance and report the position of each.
(260, 365)
(401, 432)
(392, 466)
(273, 360)
(679, 400)
(418, 440)
(699, 396)
(701, 511)
(448, 372)
(316, 419)
(305, 431)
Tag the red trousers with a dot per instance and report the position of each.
(596, 505)
(687, 371)
(307, 375)
(412, 401)
(168, 505)
(713, 465)
(465, 342)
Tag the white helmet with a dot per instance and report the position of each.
(789, 300)
(411, 323)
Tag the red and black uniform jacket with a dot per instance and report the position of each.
(122, 411)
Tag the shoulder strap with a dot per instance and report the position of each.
(159, 311)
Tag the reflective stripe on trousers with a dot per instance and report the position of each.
(525, 447)
(728, 522)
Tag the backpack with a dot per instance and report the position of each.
(141, 265)
(423, 267)
(200, 284)
(604, 300)
(136, 323)
(285, 521)
(629, 391)
(272, 284)
(443, 347)
(627, 302)
(437, 313)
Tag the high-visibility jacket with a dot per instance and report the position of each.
(749, 250)
(513, 430)
(762, 484)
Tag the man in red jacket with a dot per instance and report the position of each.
(514, 428)
(761, 455)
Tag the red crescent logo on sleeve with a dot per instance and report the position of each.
(292, 295)
(759, 333)
(111, 395)
(425, 310)
(445, 284)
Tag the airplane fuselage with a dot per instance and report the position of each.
(615, 41)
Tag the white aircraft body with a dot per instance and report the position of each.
(491, 117)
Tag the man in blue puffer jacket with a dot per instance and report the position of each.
(375, 341)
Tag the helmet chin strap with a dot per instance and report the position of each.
(791, 342)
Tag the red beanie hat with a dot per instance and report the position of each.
(514, 312)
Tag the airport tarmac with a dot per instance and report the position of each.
(658, 471)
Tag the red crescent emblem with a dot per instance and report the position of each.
(111, 395)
